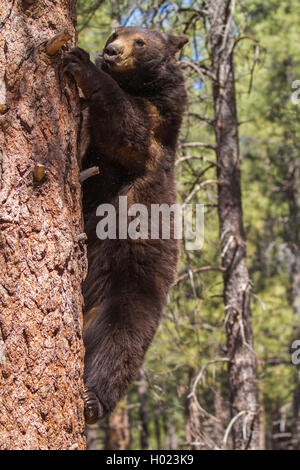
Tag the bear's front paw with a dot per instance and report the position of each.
(78, 64)
(76, 61)
(93, 410)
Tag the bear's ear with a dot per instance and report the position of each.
(176, 42)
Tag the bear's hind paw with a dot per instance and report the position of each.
(93, 410)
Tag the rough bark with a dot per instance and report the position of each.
(41, 256)
(237, 284)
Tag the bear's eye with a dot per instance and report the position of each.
(140, 42)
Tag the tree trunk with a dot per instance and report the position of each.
(193, 427)
(143, 415)
(262, 417)
(117, 434)
(292, 256)
(237, 284)
(296, 307)
(92, 439)
(41, 254)
(219, 414)
(156, 413)
(194, 419)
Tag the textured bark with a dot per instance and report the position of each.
(237, 284)
(41, 257)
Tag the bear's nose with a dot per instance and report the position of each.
(112, 50)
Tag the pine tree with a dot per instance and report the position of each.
(41, 254)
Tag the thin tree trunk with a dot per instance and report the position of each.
(156, 413)
(165, 428)
(193, 427)
(237, 284)
(91, 433)
(195, 439)
(117, 434)
(41, 256)
(143, 415)
(292, 256)
(296, 307)
(262, 417)
(219, 414)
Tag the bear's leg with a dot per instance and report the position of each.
(116, 339)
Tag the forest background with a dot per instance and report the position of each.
(181, 399)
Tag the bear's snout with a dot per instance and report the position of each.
(111, 51)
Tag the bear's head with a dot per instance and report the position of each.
(139, 50)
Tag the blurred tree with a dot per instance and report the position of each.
(237, 284)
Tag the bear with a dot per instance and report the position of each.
(135, 96)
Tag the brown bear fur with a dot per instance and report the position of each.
(136, 99)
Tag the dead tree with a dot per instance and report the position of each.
(42, 257)
(237, 285)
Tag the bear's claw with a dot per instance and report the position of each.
(93, 410)
(85, 73)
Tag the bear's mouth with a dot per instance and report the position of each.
(117, 63)
(109, 59)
